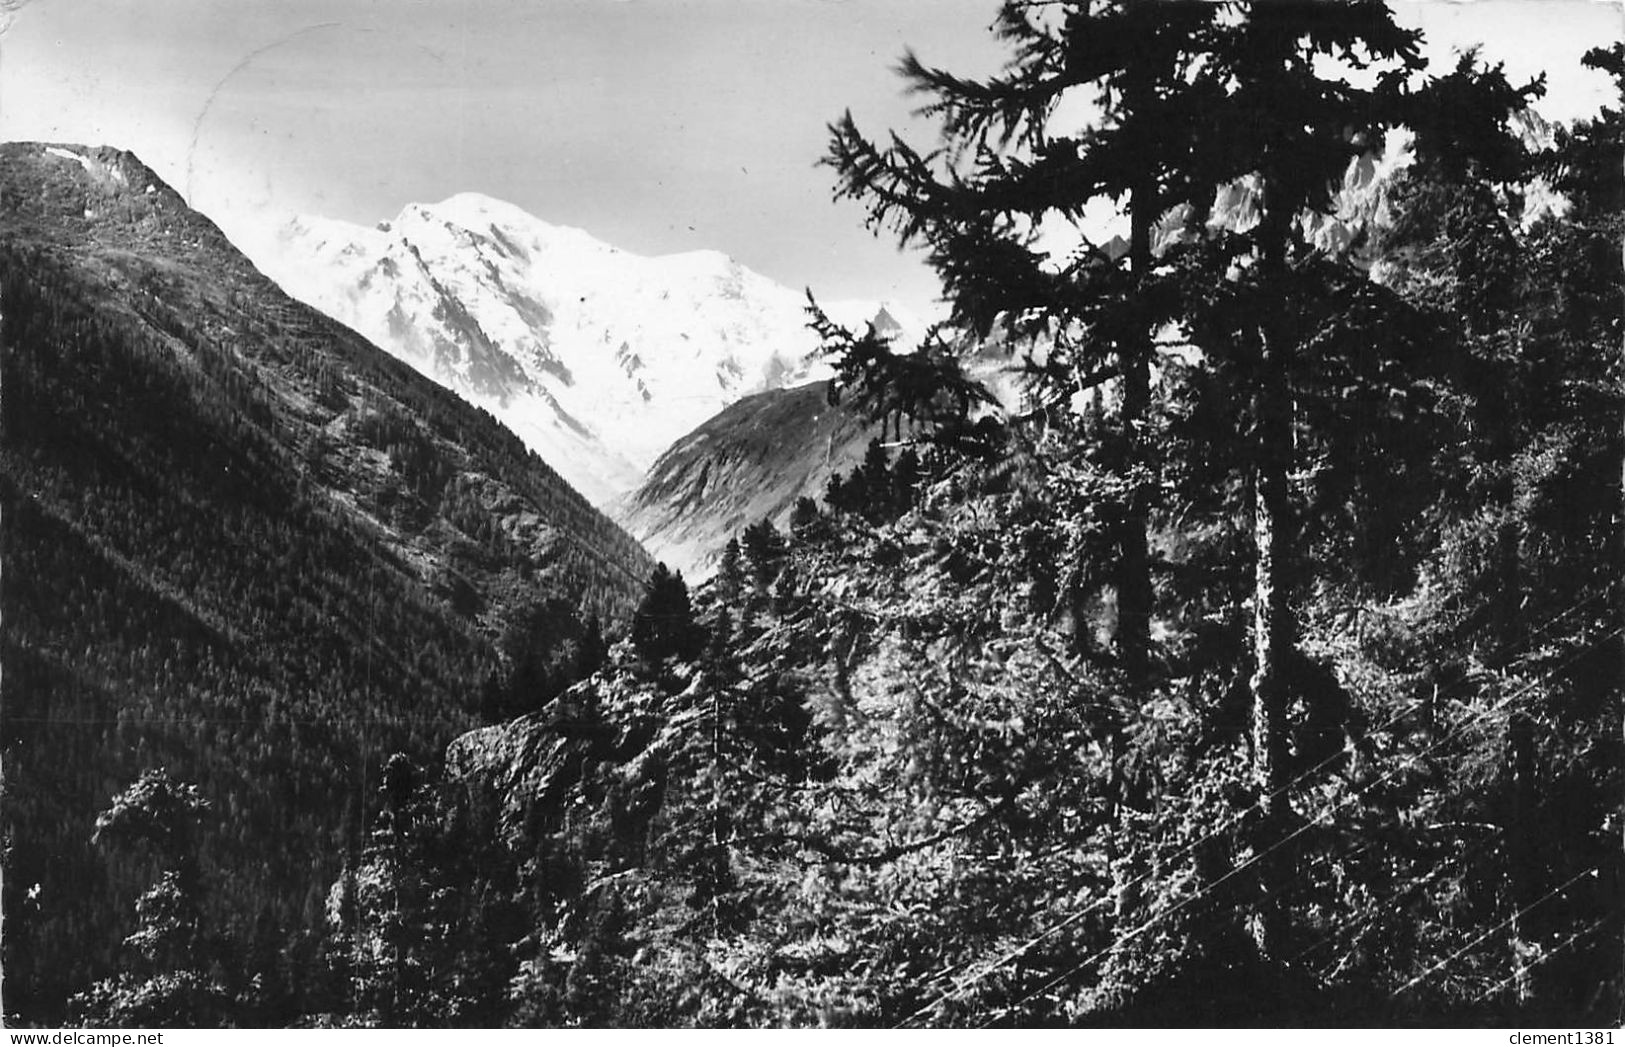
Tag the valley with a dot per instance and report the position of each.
(1214, 622)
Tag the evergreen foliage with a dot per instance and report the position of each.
(171, 984)
(663, 626)
(1268, 671)
(240, 543)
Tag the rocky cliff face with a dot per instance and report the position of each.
(598, 752)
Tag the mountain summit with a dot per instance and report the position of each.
(596, 357)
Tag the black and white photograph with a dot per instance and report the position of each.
(779, 514)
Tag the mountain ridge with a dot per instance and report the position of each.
(749, 462)
(597, 357)
(242, 543)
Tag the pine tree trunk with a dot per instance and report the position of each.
(1134, 581)
(1133, 634)
(1132, 637)
(1272, 629)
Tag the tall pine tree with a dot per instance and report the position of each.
(1012, 168)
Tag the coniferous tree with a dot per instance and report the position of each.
(1092, 318)
(1525, 377)
(1098, 313)
(1454, 249)
(835, 497)
(1292, 132)
(763, 548)
(873, 479)
(592, 651)
(1195, 109)
(164, 815)
(730, 576)
(805, 520)
(663, 626)
(905, 476)
(1297, 128)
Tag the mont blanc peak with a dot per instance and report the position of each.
(597, 357)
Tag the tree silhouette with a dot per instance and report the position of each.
(663, 626)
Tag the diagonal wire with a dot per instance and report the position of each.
(1375, 911)
(1549, 953)
(1516, 913)
(1223, 826)
(1254, 859)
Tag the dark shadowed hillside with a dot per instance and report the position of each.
(239, 542)
(753, 460)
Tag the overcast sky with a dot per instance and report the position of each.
(657, 125)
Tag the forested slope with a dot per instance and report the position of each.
(239, 542)
(1265, 671)
(750, 462)
(1278, 682)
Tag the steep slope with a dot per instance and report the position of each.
(751, 461)
(239, 541)
(596, 357)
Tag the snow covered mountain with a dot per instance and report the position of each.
(597, 358)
